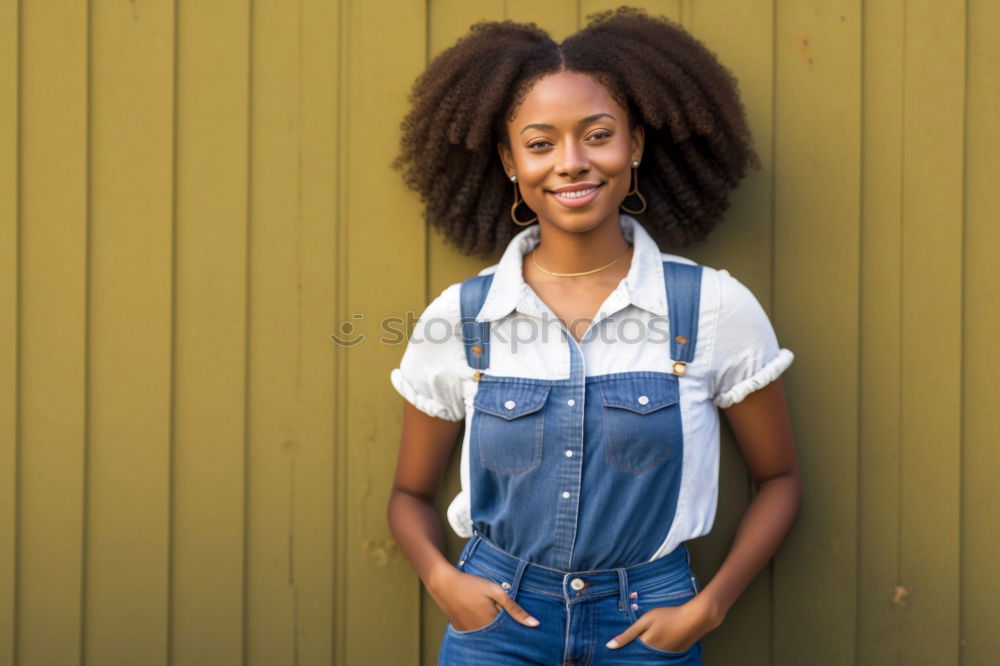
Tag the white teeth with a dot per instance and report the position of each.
(575, 195)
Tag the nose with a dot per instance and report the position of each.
(572, 160)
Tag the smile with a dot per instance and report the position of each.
(576, 199)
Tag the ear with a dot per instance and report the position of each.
(507, 159)
(638, 141)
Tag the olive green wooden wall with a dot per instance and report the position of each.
(195, 196)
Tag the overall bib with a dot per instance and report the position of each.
(574, 485)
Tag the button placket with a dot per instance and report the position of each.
(570, 437)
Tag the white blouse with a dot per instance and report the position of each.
(737, 353)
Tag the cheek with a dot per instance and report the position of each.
(533, 173)
(532, 182)
(619, 187)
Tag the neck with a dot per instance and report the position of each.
(567, 251)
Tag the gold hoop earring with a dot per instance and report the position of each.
(517, 201)
(635, 191)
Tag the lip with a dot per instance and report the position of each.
(577, 201)
(576, 188)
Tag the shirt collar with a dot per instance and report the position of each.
(643, 285)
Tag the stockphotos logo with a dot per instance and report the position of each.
(515, 330)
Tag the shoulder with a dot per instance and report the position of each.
(448, 303)
(723, 294)
(713, 280)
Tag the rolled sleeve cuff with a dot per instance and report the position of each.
(759, 379)
(422, 402)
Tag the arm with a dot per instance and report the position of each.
(764, 434)
(424, 450)
(468, 601)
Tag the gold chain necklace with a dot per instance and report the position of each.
(627, 248)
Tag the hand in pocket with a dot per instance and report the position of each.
(471, 602)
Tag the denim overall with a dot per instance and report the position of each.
(578, 563)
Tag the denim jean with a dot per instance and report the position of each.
(578, 611)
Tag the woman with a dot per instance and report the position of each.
(587, 365)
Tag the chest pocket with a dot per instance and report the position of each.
(508, 424)
(642, 420)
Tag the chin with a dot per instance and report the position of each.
(578, 220)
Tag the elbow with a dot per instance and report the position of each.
(789, 483)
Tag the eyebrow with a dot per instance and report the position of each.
(583, 121)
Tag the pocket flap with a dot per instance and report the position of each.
(641, 393)
(510, 400)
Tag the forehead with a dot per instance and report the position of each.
(565, 95)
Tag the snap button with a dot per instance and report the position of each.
(505, 585)
(571, 402)
(643, 399)
(461, 562)
(569, 453)
(577, 584)
(634, 606)
(566, 494)
(510, 404)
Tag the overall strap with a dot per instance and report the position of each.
(476, 335)
(683, 288)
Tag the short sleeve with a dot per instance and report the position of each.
(747, 355)
(430, 372)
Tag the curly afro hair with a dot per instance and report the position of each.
(697, 142)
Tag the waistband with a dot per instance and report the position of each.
(571, 585)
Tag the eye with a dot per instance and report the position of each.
(600, 135)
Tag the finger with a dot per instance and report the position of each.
(629, 634)
(515, 611)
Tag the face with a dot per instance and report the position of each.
(568, 137)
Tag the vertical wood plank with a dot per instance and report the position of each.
(933, 127)
(51, 368)
(209, 378)
(979, 640)
(741, 36)
(341, 380)
(317, 272)
(10, 65)
(130, 334)
(381, 229)
(816, 263)
(879, 610)
(291, 250)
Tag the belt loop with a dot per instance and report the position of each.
(477, 537)
(623, 588)
(514, 584)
